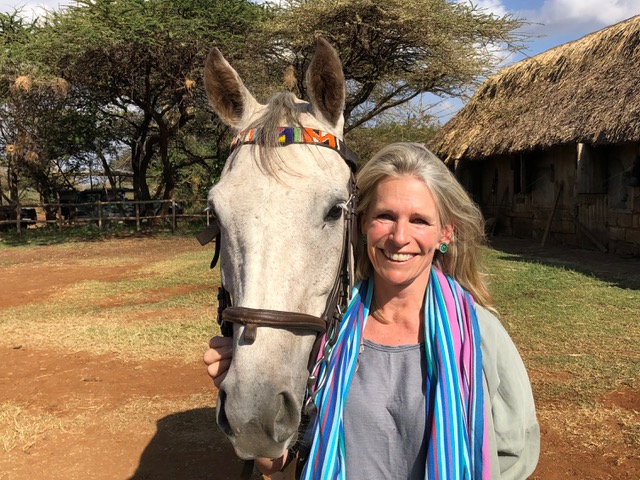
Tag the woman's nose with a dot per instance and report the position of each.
(399, 233)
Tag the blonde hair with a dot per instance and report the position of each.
(454, 205)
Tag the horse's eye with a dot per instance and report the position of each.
(335, 212)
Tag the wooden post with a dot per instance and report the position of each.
(503, 200)
(59, 211)
(137, 215)
(100, 214)
(553, 210)
(18, 212)
(173, 215)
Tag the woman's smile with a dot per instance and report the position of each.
(398, 257)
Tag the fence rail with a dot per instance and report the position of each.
(133, 212)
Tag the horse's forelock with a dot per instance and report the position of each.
(283, 109)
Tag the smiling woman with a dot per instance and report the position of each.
(421, 365)
(403, 231)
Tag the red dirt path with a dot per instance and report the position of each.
(171, 435)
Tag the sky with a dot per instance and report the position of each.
(550, 23)
(554, 22)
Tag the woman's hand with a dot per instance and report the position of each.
(268, 466)
(218, 358)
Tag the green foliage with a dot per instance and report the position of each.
(394, 50)
(365, 141)
(138, 65)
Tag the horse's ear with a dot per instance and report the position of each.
(227, 95)
(325, 82)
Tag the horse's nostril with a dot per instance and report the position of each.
(221, 415)
(287, 417)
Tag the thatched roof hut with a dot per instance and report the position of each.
(586, 91)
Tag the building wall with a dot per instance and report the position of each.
(597, 204)
(624, 198)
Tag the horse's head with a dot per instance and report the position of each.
(281, 210)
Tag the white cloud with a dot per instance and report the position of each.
(570, 17)
(33, 9)
(603, 12)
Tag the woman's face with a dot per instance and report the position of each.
(403, 231)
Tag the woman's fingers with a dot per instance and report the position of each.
(218, 358)
(220, 348)
(270, 466)
(218, 371)
(214, 355)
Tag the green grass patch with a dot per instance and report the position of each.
(581, 331)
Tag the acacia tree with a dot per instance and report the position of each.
(40, 127)
(139, 62)
(392, 50)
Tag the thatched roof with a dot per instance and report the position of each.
(583, 91)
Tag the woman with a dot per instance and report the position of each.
(426, 381)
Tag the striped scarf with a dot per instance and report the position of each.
(458, 441)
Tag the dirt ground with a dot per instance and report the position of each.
(172, 432)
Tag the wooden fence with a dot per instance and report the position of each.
(102, 214)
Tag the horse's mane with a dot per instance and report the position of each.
(283, 109)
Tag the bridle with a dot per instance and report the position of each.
(337, 301)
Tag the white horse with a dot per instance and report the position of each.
(282, 205)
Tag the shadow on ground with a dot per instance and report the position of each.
(623, 272)
(189, 446)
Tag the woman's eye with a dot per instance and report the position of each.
(335, 212)
(385, 216)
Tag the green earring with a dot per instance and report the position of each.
(443, 248)
(364, 239)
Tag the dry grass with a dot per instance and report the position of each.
(596, 429)
(21, 429)
(165, 309)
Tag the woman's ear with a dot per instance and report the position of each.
(447, 233)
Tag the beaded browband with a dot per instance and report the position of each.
(296, 135)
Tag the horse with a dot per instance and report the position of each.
(284, 207)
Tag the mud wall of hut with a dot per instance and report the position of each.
(576, 195)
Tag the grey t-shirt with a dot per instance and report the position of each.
(384, 417)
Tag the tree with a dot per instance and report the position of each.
(392, 50)
(366, 140)
(132, 76)
(139, 62)
(40, 128)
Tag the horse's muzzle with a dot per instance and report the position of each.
(263, 430)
